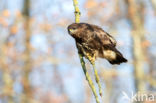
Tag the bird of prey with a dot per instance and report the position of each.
(92, 42)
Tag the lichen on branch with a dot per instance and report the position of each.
(77, 11)
(88, 78)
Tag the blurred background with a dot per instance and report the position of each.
(39, 62)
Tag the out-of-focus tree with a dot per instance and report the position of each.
(27, 97)
(138, 36)
(39, 61)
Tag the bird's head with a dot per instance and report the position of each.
(73, 29)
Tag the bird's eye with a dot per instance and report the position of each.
(73, 28)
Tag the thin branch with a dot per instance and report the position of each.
(77, 11)
(88, 78)
(92, 61)
(97, 79)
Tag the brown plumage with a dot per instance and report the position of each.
(93, 41)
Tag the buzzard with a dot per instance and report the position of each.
(92, 41)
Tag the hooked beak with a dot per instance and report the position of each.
(70, 30)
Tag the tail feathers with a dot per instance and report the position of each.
(119, 58)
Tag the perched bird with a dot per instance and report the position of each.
(92, 41)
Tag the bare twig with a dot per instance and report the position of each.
(97, 79)
(88, 78)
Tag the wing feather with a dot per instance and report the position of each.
(104, 37)
(96, 37)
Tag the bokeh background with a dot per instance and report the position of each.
(39, 62)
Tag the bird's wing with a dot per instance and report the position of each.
(104, 37)
(95, 37)
(109, 39)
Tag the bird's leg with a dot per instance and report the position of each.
(91, 58)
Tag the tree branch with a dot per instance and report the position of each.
(88, 78)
